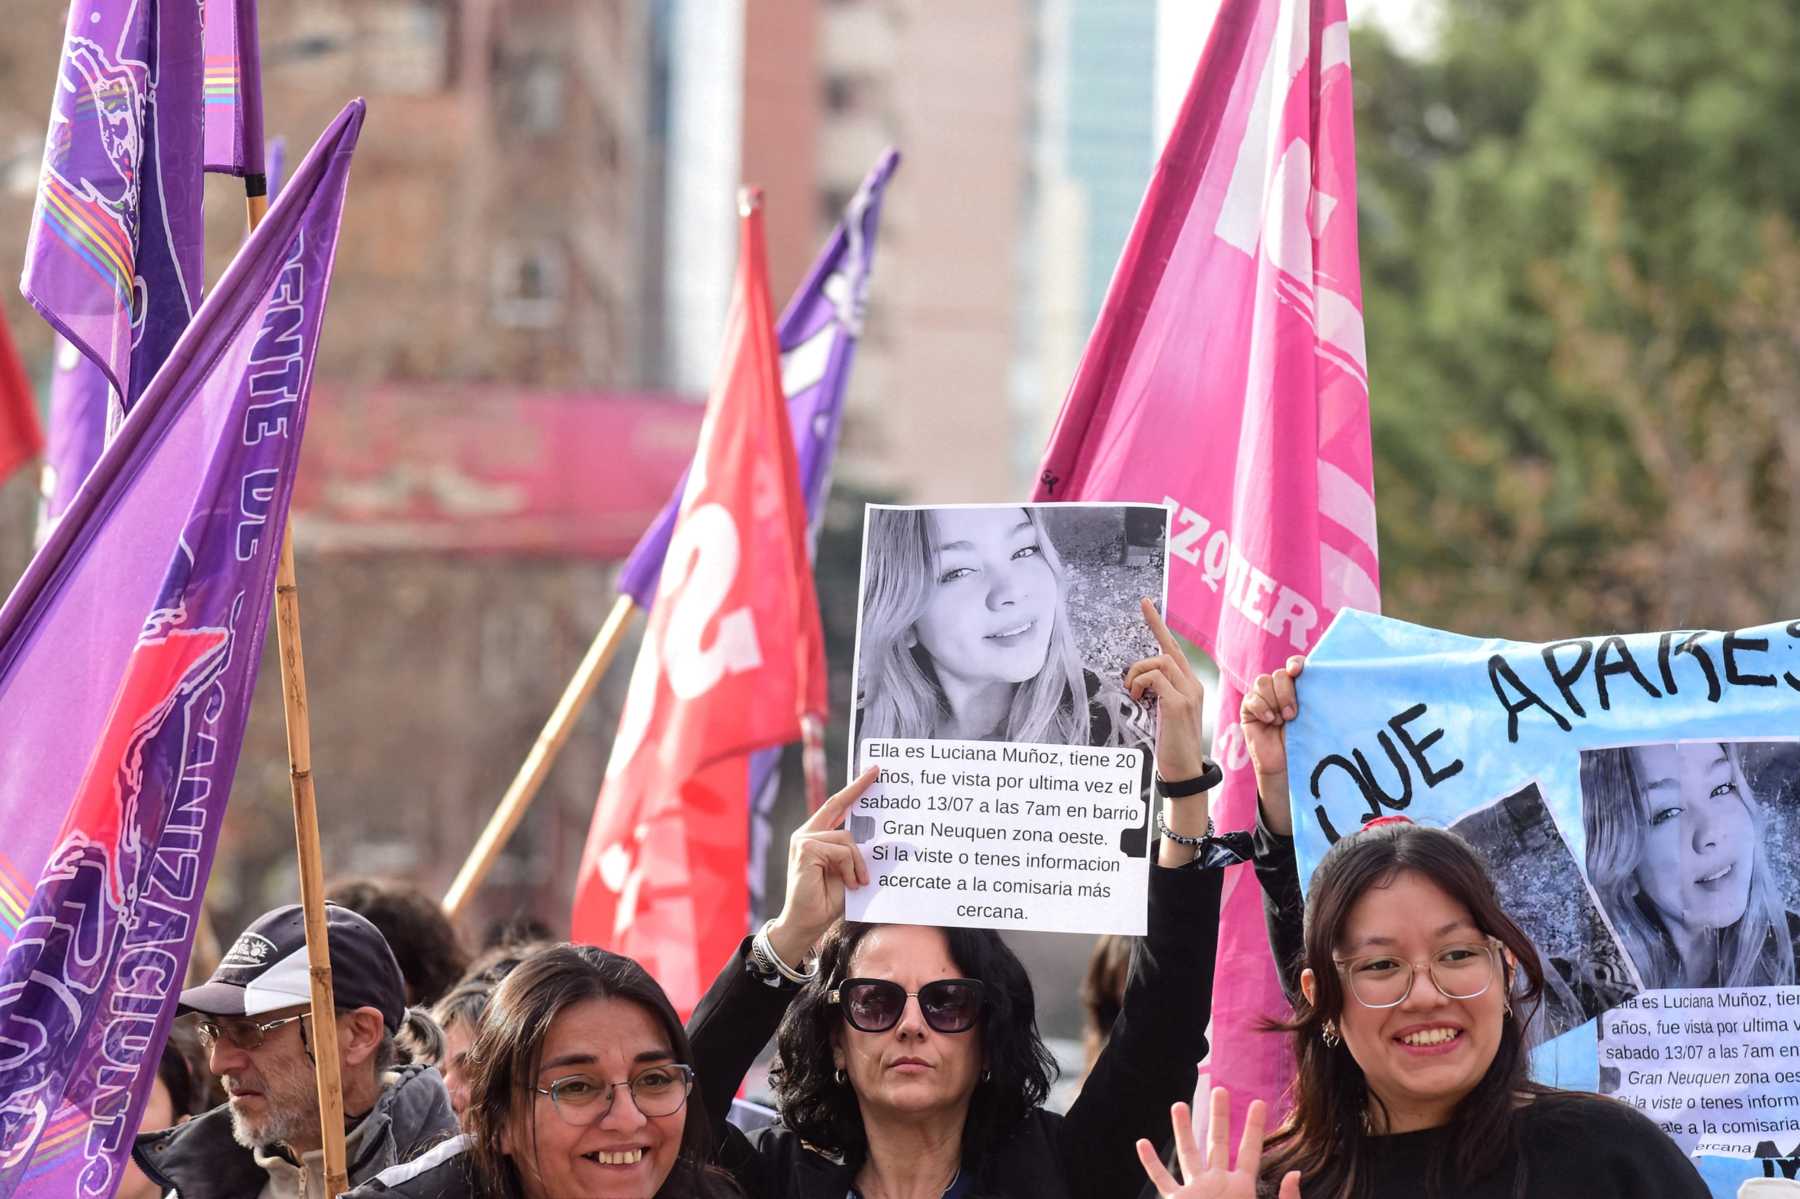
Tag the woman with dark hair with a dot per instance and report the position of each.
(1409, 1040)
(580, 1085)
(909, 1061)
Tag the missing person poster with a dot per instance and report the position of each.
(991, 646)
(1637, 799)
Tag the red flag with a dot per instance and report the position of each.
(21, 437)
(733, 659)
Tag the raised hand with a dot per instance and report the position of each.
(822, 862)
(1180, 748)
(1270, 703)
(1211, 1176)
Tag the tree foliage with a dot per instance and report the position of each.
(1582, 289)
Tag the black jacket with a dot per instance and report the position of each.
(201, 1160)
(1284, 903)
(443, 1172)
(1088, 1154)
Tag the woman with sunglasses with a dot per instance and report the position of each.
(909, 1061)
(1415, 990)
(580, 1087)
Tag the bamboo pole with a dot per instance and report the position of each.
(536, 767)
(306, 839)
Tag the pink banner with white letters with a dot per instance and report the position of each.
(1226, 378)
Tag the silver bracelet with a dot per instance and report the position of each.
(762, 948)
(1163, 830)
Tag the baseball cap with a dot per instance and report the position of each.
(266, 969)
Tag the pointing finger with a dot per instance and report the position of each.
(831, 812)
(1164, 637)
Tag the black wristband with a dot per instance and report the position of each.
(1209, 778)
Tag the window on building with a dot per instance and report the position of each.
(530, 283)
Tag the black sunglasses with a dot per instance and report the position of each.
(876, 1004)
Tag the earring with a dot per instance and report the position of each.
(987, 1076)
(838, 1076)
(1328, 1033)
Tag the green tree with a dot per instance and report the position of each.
(1576, 232)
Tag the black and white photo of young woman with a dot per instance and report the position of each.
(1542, 888)
(1691, 848)
(1006, 622)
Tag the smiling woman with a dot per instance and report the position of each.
(1415, 997)
(1675, 852)
(579, 1088)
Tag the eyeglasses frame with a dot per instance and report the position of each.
(1495, 947)
(612, 1094)
(262, 1031)
(835, 999)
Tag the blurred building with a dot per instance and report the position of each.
(816, 89)
(488, 436)
(1093, 145)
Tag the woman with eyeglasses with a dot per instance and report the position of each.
(1408, 1035)
(581, 1086)
(909, 1062)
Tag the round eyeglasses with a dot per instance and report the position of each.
(876, 1004)
(658, 1091)
(245, 1034)
(1461, 971)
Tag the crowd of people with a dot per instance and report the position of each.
(908, 1062)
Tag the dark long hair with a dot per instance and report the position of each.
(1326, 1137)
(1017, 1068)
(503, 1063)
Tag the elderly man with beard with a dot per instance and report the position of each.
(265, 1141)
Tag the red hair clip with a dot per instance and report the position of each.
(1381, 820)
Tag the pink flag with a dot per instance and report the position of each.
(1226, 378)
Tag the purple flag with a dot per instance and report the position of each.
(818, 335)
(234, 141)
(113, 259)
(78, 410)
(128, 653)
(276, 157)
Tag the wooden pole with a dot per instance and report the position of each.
(536, 767)
(306, 839)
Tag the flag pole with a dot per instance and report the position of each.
(536, 767)
(306, 823)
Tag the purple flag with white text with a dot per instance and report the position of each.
(817, 334)
(128, 654)
(113, 258)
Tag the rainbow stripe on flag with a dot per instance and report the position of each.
(93, 233)
(221, 79)
(15, 894)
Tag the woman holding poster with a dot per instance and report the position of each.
(965, 633)
(909, 1062)
(1675, 849)
(1409, 1037)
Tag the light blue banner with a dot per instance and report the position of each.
(1638, 801)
